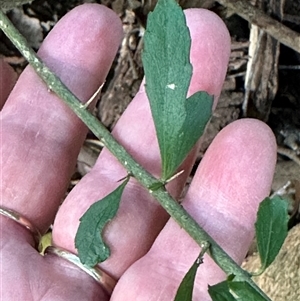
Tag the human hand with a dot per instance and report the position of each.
(40, 140)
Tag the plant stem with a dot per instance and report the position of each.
(256, 16)
(176, 211)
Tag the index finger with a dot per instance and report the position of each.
(40, 136)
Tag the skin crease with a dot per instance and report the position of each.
(233, 178)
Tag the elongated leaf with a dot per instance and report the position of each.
(271, 229)
(88, 241)
(179, 122)
(185, 290)
(245, 292)
(232, 291)
(220, 292)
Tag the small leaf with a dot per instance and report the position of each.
(88, 241)
(245, 292)
(271, 229)
(220, 292)
(232, 290)
(179, 122)
(185, 290)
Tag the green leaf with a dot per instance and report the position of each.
(220, 292)
(179, 122)
(88, 241)
(232, 290)
(271, 229)
(245, 292)
(185, 290)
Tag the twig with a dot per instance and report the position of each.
(255, 16)
(176, 211)
(289, 67)
(288, 153)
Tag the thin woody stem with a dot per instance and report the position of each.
(271, 26)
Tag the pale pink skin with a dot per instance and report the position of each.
(40, 140)
(7, 80)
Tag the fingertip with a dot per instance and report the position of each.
(239, 164)
(95, 26)
(77, 42)
(234, 176)
(210, 51)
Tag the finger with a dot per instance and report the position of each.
(40, 135)
(26, 275)
(8, 78)
(140, 218)
(233, 177)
